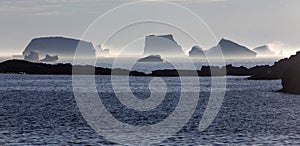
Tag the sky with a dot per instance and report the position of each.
(249, 22)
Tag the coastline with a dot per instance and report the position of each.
(25, 67)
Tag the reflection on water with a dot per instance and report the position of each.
(38, 110)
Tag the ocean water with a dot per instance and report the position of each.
(41, 110)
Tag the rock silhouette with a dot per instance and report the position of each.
(290, 80)
(26, 67)
(288, 70)
(21, 66)
(277, 70)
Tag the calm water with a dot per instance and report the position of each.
(37, 110)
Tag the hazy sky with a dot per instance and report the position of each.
(248, 22)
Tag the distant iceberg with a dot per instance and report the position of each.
(264, 51)
(60, 46)
(49, 58)
(151, 58)
(164, 45)
(33, 56)
(230, 50)
(196, 52)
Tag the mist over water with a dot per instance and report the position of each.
(150, 66)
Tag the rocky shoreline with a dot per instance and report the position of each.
(26, 67)
(288, 70)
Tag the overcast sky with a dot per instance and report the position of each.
(248, 22)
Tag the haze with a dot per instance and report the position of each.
(251, 23)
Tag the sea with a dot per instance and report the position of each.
(42, 110)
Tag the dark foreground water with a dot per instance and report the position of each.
(41, 110)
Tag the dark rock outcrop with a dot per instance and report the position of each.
(277, 70)
(288, 70)
(236, 71)
(59, 46)
(21, 66)
(290, 80)
(228, 70)
(17, 66)
(26, 67)
(262, 73)
(151, 58)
